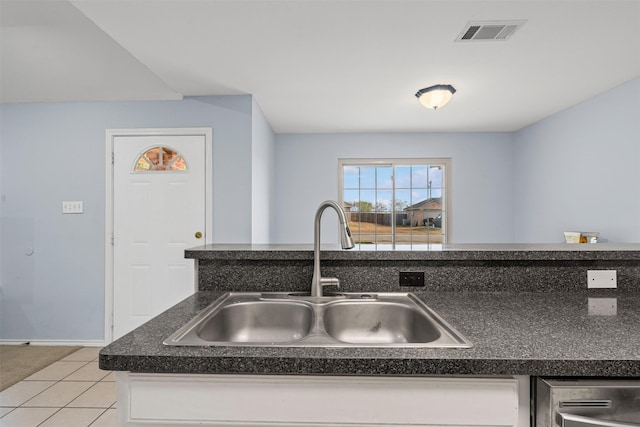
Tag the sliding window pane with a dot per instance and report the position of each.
(418, 195)
(384, 239)
(403, 177)
(351, 177)
(384, 201)
(435, 193)
(368, 177)
(351, 196)
(366, 201)
(419, 176)
(406, 199)
(403, 200)
(435, 177)
(384, 178)
(366, 239)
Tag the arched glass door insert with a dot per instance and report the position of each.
(160, 158)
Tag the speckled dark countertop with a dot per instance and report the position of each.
(452, 252)
(513, 333)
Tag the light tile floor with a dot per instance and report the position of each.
(73, 392)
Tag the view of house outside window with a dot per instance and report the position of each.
(396, 203)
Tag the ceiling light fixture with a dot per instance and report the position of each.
(435, 97)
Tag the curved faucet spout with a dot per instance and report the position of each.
(346, 241)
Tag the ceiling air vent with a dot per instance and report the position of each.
(484, 31)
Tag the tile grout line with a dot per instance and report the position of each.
(12, 409)
(58, 409)
(72, 408)
(67, 405)
(45, 420)
(37, 394)
(101, 414)
(85, 364)
(56, 382)
(93, 385)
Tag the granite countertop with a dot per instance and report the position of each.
(463, 252)
(513, 333)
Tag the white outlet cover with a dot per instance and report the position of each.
(73, 207)
(599, 279)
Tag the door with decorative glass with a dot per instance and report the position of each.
(158, 212)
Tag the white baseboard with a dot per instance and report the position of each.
(49, 342)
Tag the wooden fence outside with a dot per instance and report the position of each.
(381, 218)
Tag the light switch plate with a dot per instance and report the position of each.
(72, 207)
(603, 306)
(598, 279)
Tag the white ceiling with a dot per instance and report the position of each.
(323, 66)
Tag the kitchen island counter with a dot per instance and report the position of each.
(513, 333)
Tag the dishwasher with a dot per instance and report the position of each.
(574, 402)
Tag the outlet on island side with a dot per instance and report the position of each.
(599, 279)
(412, 278)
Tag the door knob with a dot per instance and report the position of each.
(198, 235)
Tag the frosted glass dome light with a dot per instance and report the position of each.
(435, 97)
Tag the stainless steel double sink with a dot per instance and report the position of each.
(285, 319)
(295, 320)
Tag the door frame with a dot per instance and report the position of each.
(108, 242)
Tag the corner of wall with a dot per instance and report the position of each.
(583, 153)
(262, 176)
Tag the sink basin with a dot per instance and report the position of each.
(297, 320)
(257, 321)
(362, 322)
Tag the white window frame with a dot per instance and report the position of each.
(444, 161)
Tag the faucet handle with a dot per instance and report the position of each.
(330, 281)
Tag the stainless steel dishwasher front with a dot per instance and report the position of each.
(587, 402)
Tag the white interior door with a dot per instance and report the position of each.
(158, 211)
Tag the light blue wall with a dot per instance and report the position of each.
(56, 152)
(579, 170)
(576, 170)
(262, 177)
(482, 181)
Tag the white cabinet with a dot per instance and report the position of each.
(263, 400)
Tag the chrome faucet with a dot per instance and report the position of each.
(317, 282)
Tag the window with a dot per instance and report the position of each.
(396, 203)
(160, 159)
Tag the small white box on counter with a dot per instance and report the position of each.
(581, 236)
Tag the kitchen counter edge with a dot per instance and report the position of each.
(454, 252)
(580, 345)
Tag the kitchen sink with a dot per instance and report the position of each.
(299, 320)
(257, 321)
(376, 322)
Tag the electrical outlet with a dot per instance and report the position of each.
(415, 278)
(598, 279)
(73, 207)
